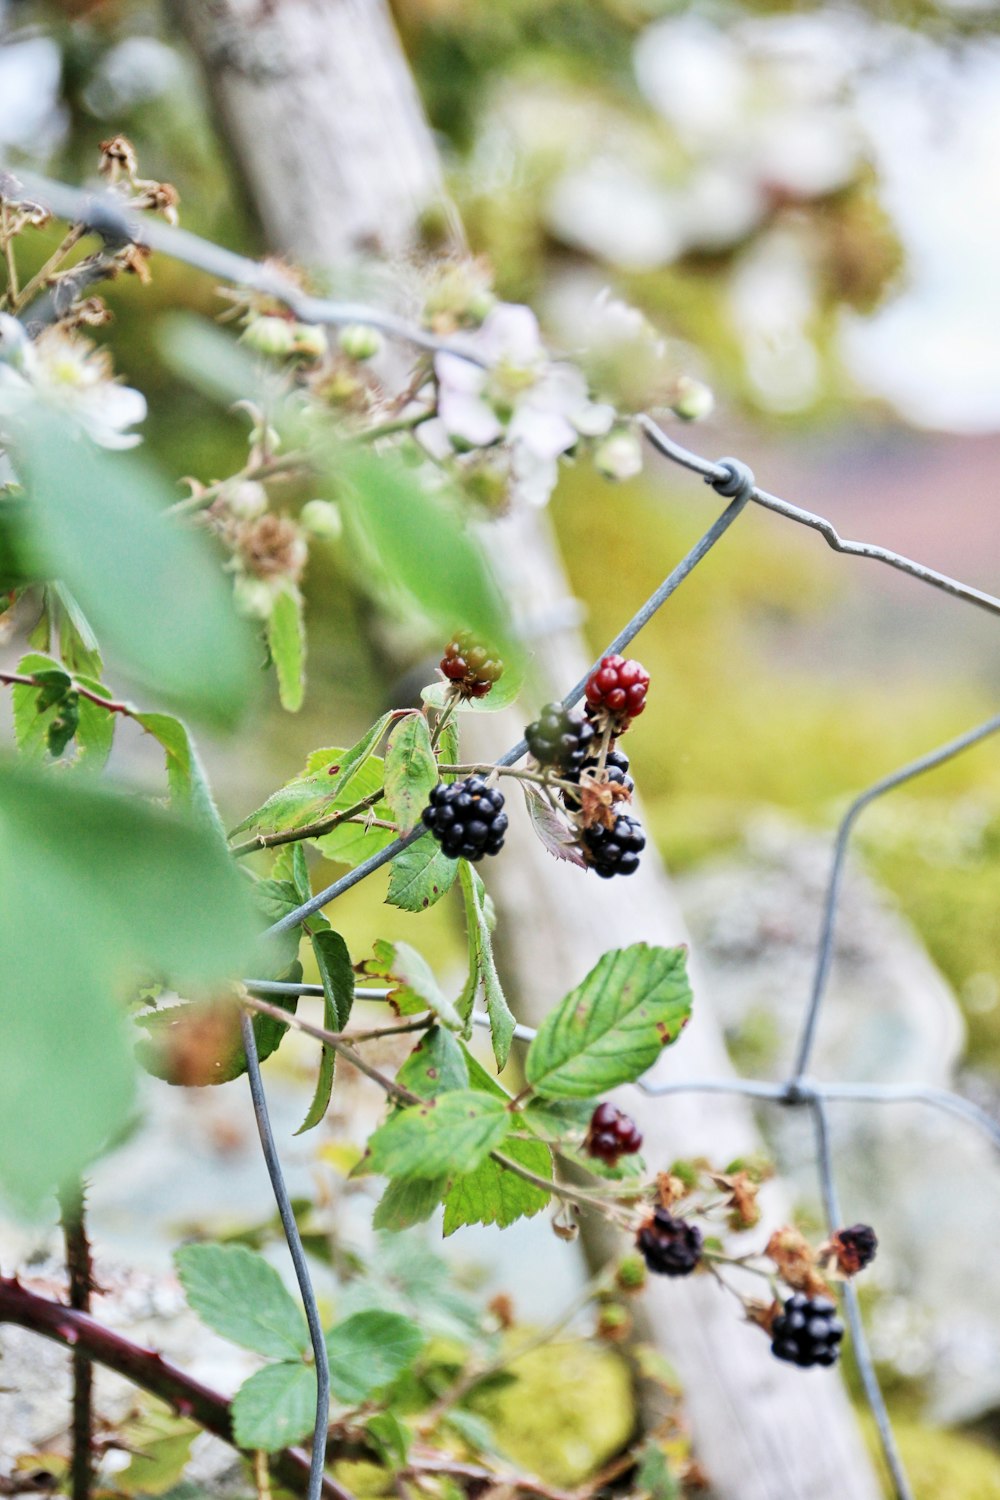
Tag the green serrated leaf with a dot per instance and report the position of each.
(290, 865)
(186, 776)
(301, 801)
(337, 978)
(240, 1296)
(413, 987)
(150, 588)
(408, 1201)
(482, 967)
(275, 1407)
(493, 1195)
(435, 1066)
(613, 1026)
(420, 876)
(410, 770)
(451, 1134)
(368, 1350)
(333, 781)
(37, 712)
(286, 640)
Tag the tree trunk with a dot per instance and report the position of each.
(320, 112)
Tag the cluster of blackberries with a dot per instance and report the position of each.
(808, 1331)
(611, 1135)
(569, 741)
(469, 667)
(467, 818)
(669, 1246)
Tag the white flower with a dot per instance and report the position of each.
(539, 407)
(70, 374)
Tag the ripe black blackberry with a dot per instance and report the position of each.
(611, 1134)
(669, 1246)
(855, 1248)
(466, 818)
(616, 765)
(560, 737)
(469, 667)
(808, 1332)
(615, 850)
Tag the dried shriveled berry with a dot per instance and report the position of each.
(611, 1135)
(855, 1248)
(669, 1246)
(470, 667)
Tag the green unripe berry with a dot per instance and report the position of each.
(360, 342)
(270, 335)
(321, 518)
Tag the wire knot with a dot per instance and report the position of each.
(736, 483)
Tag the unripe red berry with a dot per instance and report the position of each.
(617, 688)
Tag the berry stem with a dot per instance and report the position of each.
(398, 424)
(444, 718)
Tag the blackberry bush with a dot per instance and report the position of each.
(467, 818)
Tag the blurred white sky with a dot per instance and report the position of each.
(934, 351)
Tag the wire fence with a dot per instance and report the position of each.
(108, 217)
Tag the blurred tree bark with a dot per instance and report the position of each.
(320, 112)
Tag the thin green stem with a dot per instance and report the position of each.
(398, 424)
(41, 276)
(444, 718)
(7, 239)
(313, 830)
(272, 468)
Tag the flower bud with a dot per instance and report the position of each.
(270, 335)
(358, 341)
(321, 518)
(693, 400)
(253, 598)
(620, 455)
(309, 340)
(246, 500)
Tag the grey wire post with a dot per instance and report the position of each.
(317, 1459)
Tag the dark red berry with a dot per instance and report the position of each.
(855, 1248)
(470, 667)
(617, 688)
(611, 1134)
(615, 850)
(808, 1331)
(560, 737)
(466, 818)
(669, 1246)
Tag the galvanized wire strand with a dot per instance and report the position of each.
(713, 471)
(108, 215)
(824, 955)
(317, 1459)
(859, 1340)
